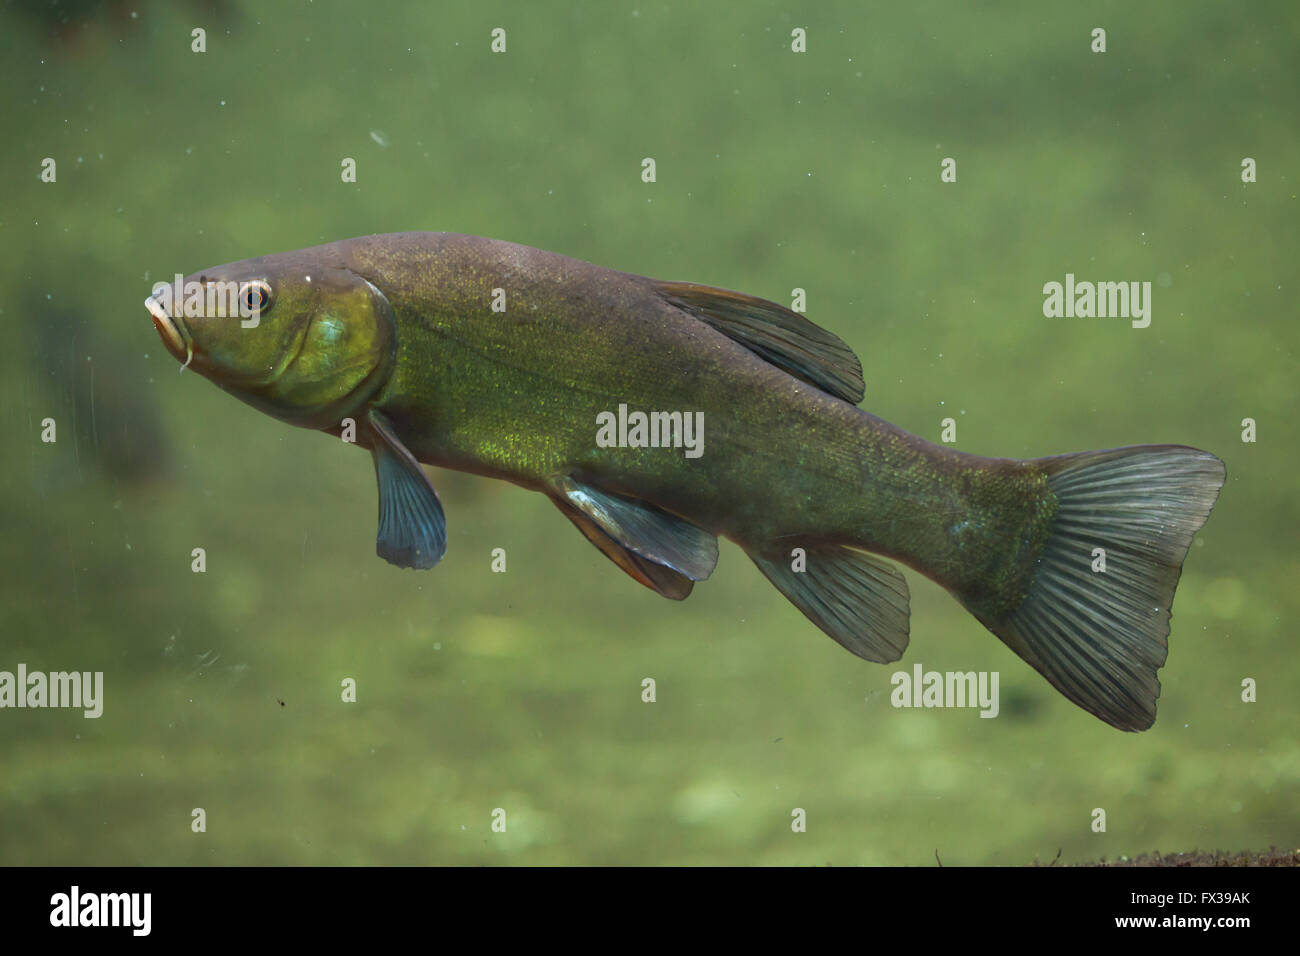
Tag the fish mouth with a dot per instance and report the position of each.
(169, 328)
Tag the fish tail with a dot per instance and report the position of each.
(1093, 610)
(1074, 569)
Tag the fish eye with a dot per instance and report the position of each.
(255, 296)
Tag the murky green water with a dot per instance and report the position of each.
(522, 690)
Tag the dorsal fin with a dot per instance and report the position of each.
(775, 334)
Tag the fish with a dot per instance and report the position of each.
(523, 365)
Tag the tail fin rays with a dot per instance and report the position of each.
(1099, 636)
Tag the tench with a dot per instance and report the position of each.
(659, 415)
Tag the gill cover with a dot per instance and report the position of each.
(323, 343)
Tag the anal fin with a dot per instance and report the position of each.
(859, 600)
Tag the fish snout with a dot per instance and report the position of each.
(168, 328)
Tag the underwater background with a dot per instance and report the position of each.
(522, 691)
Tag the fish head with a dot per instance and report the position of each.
(305, 342)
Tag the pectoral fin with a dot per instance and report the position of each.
(628, 529)
(412, 528)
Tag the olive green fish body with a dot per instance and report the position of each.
(515, 363)
(515, 395)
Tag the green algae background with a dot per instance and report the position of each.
(522, 690)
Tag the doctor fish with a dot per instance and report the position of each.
(509, 362)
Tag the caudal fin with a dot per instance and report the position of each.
(1099, 635)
